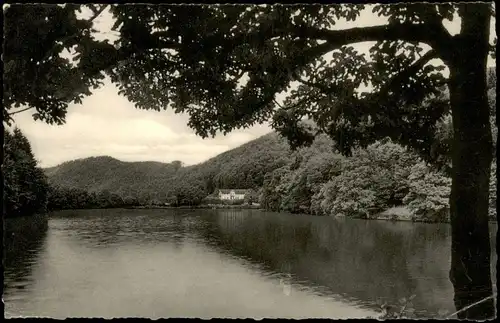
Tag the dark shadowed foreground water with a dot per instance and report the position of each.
(225, 263)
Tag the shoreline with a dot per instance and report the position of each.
(383, 216)
(201, 207)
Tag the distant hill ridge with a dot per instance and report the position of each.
(242, 167)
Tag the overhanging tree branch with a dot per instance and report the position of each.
(425, 33)
(408, 72)
(96, 12)
(401, 77)
(19, 111)
(431, 34)
(320, 86)
(335, 39)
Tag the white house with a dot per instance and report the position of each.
(232, 194)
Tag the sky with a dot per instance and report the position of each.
(108, 124)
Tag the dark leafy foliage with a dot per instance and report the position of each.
(223, 65)
(371, 181)
(35, 75)
(25, 184)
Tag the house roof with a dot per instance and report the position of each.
(236, 191)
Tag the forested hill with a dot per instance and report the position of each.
(242, 167)
(107, 173)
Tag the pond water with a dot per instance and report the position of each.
(225, 263)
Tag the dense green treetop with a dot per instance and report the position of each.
(24, 183)
(224, 66)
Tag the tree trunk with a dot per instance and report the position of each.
(471, 158)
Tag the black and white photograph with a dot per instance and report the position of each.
(249, 160)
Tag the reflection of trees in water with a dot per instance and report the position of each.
(367, 260)
(254, 237)
(179, 227)
(106, 228)
(231, 219)
(24, 238)
(423, 269)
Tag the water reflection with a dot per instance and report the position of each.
(98, 229)
(24, 239)
(154, 264)
(225, 263)
(371, 261)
